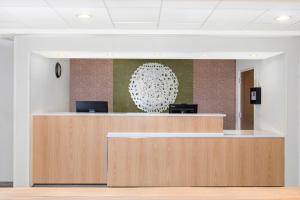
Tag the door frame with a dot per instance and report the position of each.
(238, 97)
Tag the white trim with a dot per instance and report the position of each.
(226, 134)
(298, 120)
(152, 32)
(160, 55)
(132, 114)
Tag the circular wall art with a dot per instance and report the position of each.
(153, 87)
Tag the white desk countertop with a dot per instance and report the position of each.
(129, 114)
(226, 134)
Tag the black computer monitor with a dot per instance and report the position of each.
(183, 108)
(92, 106)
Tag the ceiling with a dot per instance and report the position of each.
(152, 15)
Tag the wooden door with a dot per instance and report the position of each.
(247, 109)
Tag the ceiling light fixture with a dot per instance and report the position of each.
(84, 16)
(282, 18)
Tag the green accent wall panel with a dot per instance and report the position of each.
(124, 68)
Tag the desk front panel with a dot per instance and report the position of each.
(73, 149)
(195, 162)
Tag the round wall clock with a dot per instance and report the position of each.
(58, 70)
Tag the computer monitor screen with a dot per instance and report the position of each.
(183, 108)
(92, 106)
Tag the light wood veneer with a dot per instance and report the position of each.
(196, 162)
(163, 193)
(69, 150)
(73, 149)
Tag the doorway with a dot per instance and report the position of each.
(247, 109)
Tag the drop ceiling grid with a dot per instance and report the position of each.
(150, 14)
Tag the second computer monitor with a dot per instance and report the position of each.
(183, 108)
(92, 106)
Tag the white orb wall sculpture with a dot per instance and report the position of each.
(153, 87)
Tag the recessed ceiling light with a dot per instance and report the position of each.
(253, 55)
(84, 16)
(283, 18)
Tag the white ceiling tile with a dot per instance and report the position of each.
(134, 14)
(37, 17)
(6, 16)
(224, 26)
(250, 4)
(294, 27)
(259, 4)
(144, 14)
(203, 4)
(286, 5)
(28, 3)
(171, 25)
(233, 16)
(136, 25)
(47, 25)
(183, 15)
(265, 27)
(76, 3)
(269, 17)
(99, 17)
(12, 24)
(133, 3)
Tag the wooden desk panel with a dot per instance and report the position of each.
(73, 149)
(196, 162)
(69, 150)
(178, 124)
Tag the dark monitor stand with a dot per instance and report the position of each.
(92, 106)
(183, 108)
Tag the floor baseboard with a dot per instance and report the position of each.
(70, 185)
(6, 184)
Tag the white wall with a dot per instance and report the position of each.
(141, 46)
(48, 93)
(269, 74)
(6, 111)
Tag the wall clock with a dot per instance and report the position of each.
(58, 70)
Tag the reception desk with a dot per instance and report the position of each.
(71, 148)
(196, 159)
(139, 149)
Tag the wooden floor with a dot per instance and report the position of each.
(189, 193)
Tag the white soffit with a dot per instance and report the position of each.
(157, 55)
